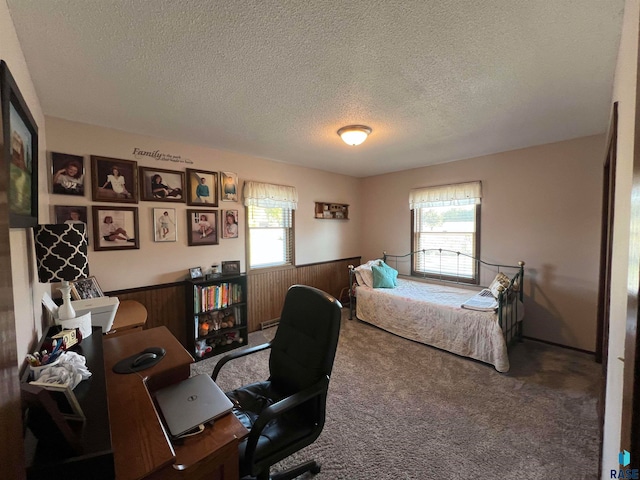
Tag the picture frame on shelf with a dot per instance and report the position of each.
(114, 180)
(231, 267)
(229, 224)
(202, 188)
(202, 227)
(228, 187)
(67, 174)
(165, 225)
(115, 228)
(20, 151)
(85, 288)
(160, 185)
(195, 273)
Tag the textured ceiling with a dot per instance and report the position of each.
(437, 80)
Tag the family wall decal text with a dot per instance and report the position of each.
(158, 155)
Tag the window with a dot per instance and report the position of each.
(270, 236)
(270, 222)
(446, 217)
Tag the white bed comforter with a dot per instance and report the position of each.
(431, 314)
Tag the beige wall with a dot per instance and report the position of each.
(316, 240)
(540, 204)
(26, 289)
(625, 93)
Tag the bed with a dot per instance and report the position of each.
(431, 312)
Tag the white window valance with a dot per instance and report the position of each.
(268, 195)
(445, 195)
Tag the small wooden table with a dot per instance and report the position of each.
(130, 317)
(141, 446)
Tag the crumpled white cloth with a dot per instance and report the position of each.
(70, 370)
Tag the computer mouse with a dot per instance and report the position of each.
(143, 358)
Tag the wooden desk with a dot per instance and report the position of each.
(131, 316)
(141, 446)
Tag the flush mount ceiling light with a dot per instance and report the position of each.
(354, 134)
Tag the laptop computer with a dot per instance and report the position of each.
(190, 403)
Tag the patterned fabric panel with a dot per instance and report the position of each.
(61, 251)
(431, 314)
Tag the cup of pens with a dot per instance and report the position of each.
(39, 361)
(36, 371)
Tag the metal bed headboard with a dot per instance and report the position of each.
(457, 278)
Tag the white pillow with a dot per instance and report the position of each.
(364, 274)
(499, 284)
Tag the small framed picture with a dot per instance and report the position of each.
(115, 228)
(231, 267)
(203, 227)
(228, 187)
(114, 180)
(165, 227)
(195, 273)
(161, 185)
(202, 187)
(85, 288)
(71, 214)
(67, 176)
(229, 225)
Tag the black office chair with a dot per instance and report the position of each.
(286, 413)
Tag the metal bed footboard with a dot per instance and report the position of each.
(508, 309)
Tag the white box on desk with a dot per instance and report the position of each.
(103, 310)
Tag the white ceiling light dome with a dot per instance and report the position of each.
(354, 134)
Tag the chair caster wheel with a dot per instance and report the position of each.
(315, 470)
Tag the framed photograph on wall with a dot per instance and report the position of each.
(20, 152)
(67, 174)
(202, 227)
(71, 214)
(161, 185)
(85, 288)
(115, 228)
(202, 187)
(228, 187)
(165, 228)
(114, 180)
(229, 224)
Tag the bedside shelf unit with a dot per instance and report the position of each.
(216, 315)
(332, 211)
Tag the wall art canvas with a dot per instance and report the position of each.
(20, 152)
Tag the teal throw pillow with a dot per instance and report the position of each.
(383, 277)
(392, 271)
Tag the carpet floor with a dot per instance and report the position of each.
(398, 409)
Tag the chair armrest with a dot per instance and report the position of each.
(282, 406)
(237, 354)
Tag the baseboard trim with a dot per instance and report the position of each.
(590, 352)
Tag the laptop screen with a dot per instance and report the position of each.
(190, 403)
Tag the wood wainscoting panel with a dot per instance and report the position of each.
(267, 289)
(167, 305)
